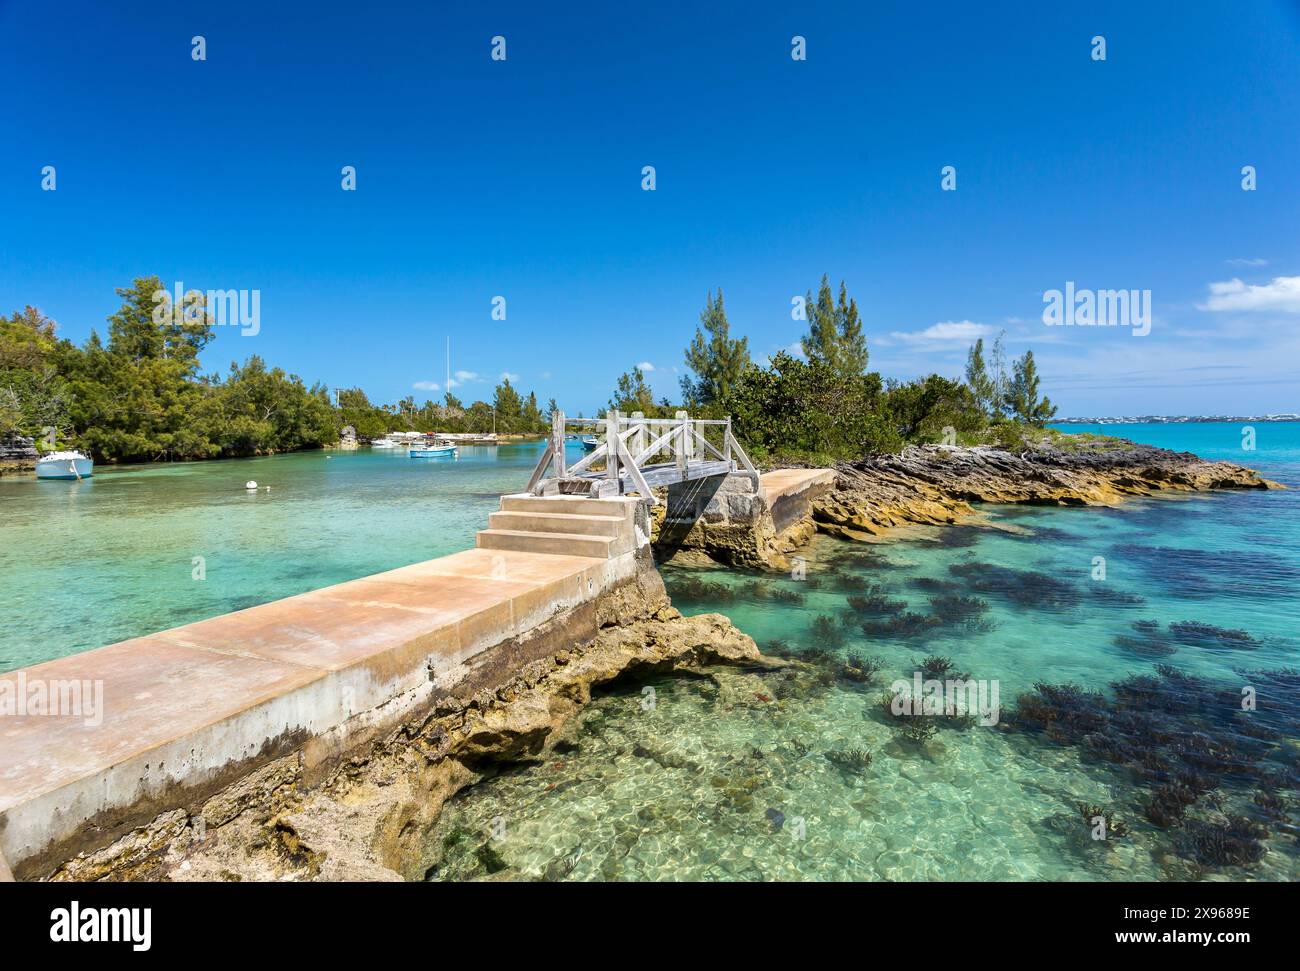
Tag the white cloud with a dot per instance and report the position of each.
(464, 377)
(645, 366)
(507, 376)
(546, 375)
(427, 386)
(1255, 262)
(1281, 293)
(946, 332)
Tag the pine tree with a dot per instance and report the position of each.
(507, 403)
(713, 357)
(532, 416)
(822, 342)
(146, 329)
(633, 394)
(977, 378)
(852, 343)
(1000, 376)
(1022, 393)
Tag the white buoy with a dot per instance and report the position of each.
(250, 485)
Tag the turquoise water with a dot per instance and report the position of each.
(1276, 444)
(750, 776)
(742, 775)
(83, 564)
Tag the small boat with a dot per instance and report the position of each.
(430, 451)
(384, 443)
(590, 443)
(64, 465)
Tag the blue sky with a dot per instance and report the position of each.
(522, 178)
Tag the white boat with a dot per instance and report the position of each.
(64, 465)
(385, 443)
(430, 451)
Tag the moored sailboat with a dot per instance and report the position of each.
(65, 465)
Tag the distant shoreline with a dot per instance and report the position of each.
(1175, 420)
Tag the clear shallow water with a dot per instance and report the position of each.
(83, 564)
(729, 778)
(716, 781)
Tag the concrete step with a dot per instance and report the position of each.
(577, 506)
(558, 522)
(564, 544)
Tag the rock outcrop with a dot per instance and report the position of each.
(371, 819)
(935, 485)
(736, 520)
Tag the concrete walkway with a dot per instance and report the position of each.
(787, 482)
(168, 720)
(188, 706)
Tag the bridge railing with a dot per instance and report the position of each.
(628, 444)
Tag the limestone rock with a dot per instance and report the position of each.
(935, 485)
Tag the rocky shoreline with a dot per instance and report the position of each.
(936, 485)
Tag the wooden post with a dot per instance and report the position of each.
(557, 443)
(611, 446)
(638, 441)
(726, 443)
(682, 444)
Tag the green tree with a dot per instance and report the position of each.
(978, 380)
(356, 410)
(1022, 393)
(633, 394)
(715, 359)
(509, 409)
(853, 343)
(34, 392)
(821, 345)
(923, 410)
(148, 326)
(835, 333)
(810, 409)
(532, 415)
(999, 374)
(260, 410)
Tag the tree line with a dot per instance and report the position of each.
(141, 396)
(827, 405)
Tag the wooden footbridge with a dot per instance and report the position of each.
(635, 454)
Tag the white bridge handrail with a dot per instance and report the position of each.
(627, 444)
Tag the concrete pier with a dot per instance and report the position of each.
(174, 720)
(186, 712)
(733, 519)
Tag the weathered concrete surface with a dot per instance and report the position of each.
(374, 820)
(370, 819)
(724, 518)
(566, 524)
(790, 493)
(189, 712)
